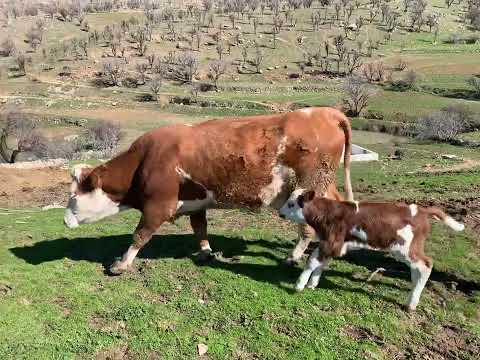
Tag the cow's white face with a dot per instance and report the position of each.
(291, 210)
(87, 206)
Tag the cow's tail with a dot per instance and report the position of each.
(438, 214)
(347, 157)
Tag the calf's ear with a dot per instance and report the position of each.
(305, 198)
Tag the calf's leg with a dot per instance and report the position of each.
(153, 217)
(316, 274)
(420, 271)
(312, 271)
(305, 235)
(198, 221)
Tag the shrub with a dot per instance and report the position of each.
(105, 137)
(7, 47)
(443, 125)
(474, 82)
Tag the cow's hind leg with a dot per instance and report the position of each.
(153, 217)
(305, 236)
(198, 221)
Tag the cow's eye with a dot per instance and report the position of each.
(291, 205)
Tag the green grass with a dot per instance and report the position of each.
(56, 301)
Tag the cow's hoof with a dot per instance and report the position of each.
(117, 268)
(205, 256)
(291, 261)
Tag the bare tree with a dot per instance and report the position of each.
(155, 86)
(258, 59)
(185, 68)
(142, 71)
(416, 14)
(374, 71)
(151, 60)
(17, 125)
(340, 46)
(356, 93)
(354, 61)
(245, 54)
(441, 125)
(105, 137)
(216, 68)
(83, 44)
(7, 47)
(21, 61)
(220, 49)
(140, 37)
(449, 3)
(277, 26)
(34, 37)
(114, 71)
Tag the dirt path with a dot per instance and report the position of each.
(465, 165)
(33, 187)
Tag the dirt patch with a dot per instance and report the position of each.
(33, 187)
(107, 326)
(361, 334)
(119, 352)
(451, 342)
(465, 165)
(63, 305)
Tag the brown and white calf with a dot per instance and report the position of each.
(181, 170)
(340, 226)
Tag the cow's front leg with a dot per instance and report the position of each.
(305, 235)
(153, 217)
(198, 221)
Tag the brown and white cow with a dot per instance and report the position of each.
(340, 226)
(185, 169)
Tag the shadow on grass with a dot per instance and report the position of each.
(373, 260)
(103, 251)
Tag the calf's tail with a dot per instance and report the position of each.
(438, 214)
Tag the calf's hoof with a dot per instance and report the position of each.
(299, 288)
(117, 268)
(291, 261)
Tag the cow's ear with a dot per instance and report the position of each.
(80, 172)
(305, 198)
(91, 182)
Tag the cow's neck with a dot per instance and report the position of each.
(118, 174)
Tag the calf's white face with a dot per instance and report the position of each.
(87, 207)
(291, 210)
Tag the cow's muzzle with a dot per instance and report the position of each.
(69, 219)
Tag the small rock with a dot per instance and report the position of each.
(114, 103)
(53, 206)
(450, 157)
(276, 66)
(270, 68)
(202, 349)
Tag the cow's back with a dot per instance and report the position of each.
(247, 160)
